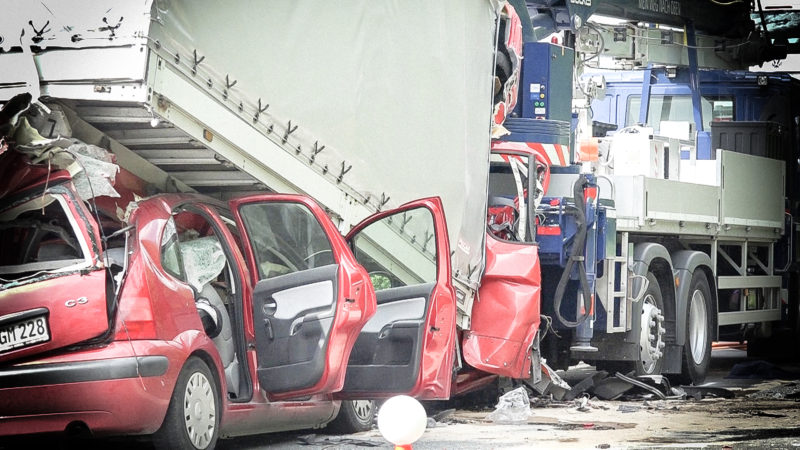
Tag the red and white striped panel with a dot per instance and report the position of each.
(553, 154)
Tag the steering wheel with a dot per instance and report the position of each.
(307, 258)
(283, 259)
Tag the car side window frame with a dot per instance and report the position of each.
(171, 242)
(260, 259)
(385, 275)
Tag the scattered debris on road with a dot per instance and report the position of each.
(513, 407)
(788, 390)
(327, 441)
(599, 409)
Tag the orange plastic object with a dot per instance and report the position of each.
(587, 151)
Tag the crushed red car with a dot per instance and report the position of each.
(191, 319)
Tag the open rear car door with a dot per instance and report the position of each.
(408, 346)
(310, 296)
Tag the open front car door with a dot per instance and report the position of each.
(408, 346)
(310, 296)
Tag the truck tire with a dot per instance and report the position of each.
(651, 330)
(192, 420)
(697, 347)
(354, 416)
(649, 338)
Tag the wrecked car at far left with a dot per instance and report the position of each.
(124, 312)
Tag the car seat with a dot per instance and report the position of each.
(204, 260)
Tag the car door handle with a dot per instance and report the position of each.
(350, 300)
(384, 333)
(269, 307)
(296, 327)
(268, 329)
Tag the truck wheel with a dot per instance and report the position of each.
(354, 416)
(651, 335)
(192, 420)
(697, 348)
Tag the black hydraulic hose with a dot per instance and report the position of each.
(576, 256)
(763, 22)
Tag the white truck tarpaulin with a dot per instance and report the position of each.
(400, 90)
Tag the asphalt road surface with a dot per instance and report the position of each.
(763, 413)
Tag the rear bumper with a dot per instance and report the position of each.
(84, 371)
(108, 391)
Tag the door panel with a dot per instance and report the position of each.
(304, 300)
(293, 318)
(407, 347)
(387, 354)
(310, 296)
(389, 309)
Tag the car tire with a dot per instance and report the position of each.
(354, 416)
(192, 420)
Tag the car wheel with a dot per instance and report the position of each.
(354, 416)
(192, 420)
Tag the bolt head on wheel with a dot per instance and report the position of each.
(652, 335)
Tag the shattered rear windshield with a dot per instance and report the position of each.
(39, 236)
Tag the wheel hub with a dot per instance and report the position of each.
(199, 410)
(651, 340)
(362, 409)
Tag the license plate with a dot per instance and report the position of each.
(24, 333)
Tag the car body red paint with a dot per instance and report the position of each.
(508, 63)
(112, 361)
(506, 312)
(506, 317)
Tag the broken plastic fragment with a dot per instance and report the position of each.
(551, 383)
(513, 407)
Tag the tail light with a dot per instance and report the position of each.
(135, 319)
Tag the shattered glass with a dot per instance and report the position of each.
(97, 172)
(203, 260)
(92, 168)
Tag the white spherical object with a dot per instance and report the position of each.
(402, 420)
